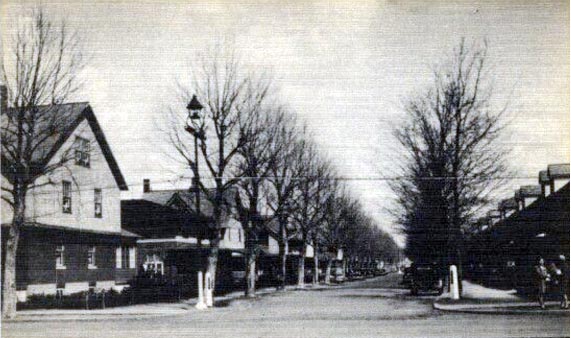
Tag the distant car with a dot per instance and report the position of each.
(426, 277)
(337, 274)
(407, 276)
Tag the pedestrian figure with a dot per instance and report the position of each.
(542, 278)
(563, 278)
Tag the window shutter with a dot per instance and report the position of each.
(118, 257)
(132, 257)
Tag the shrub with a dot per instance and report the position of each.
(79, 300)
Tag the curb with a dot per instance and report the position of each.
(183, 308)
(500, 309)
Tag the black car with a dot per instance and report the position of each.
(426, 277)
(407, 277)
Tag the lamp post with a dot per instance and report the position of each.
(193, 108)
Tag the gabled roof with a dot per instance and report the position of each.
(153, 220)
(68, 117)
(184, 200)
(558, 170)
(530, 191)
(551, 212)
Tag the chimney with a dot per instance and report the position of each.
(544, 182)
(146, 185)
(3, 98)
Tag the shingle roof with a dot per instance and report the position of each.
(530, 191)
(558, 170)
(58, 118)
(544, 214)
(508, 203)
(186, 198)
(62, 120)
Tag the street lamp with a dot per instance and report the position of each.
(194, 107)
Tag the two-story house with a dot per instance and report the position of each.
(72, 239)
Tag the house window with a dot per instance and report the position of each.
(124, 257)
(153, 264)
(66, 202)
(82, 157)
(91, 264)
(98, 203)
(60, 257)
(132, 257)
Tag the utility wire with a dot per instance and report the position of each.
(297, 178)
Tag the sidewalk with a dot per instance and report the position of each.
(142, 310)
(479, 299)
(131, 311)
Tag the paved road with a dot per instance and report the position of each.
(373, 308)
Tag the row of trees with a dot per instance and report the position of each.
(452, 158)
(264, 161)
(255, 152)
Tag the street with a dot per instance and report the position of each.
(378, 307)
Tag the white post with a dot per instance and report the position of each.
(200, 305)
(455, 291)
(208, 288)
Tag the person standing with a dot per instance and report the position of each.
(542, 277)
(563, 282)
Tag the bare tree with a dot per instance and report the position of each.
(325, 188)
(284, 173)
(309, 212)
(232, 99)
(40, 70)
(454, 159)
(339, 210)
(256, 159)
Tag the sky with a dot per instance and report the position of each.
(345, 67)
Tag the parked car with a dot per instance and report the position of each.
(426, 277)
(407, 276)
(337, 274)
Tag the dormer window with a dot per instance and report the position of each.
(82, 157)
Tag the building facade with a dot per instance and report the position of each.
(72, 239)
(175, 238)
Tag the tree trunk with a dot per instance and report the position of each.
(9, 298)
(284, 248)
(301, 268)
(315, 266)
(213, 259)
(328, 271)
(250, 273)
(460, 270)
